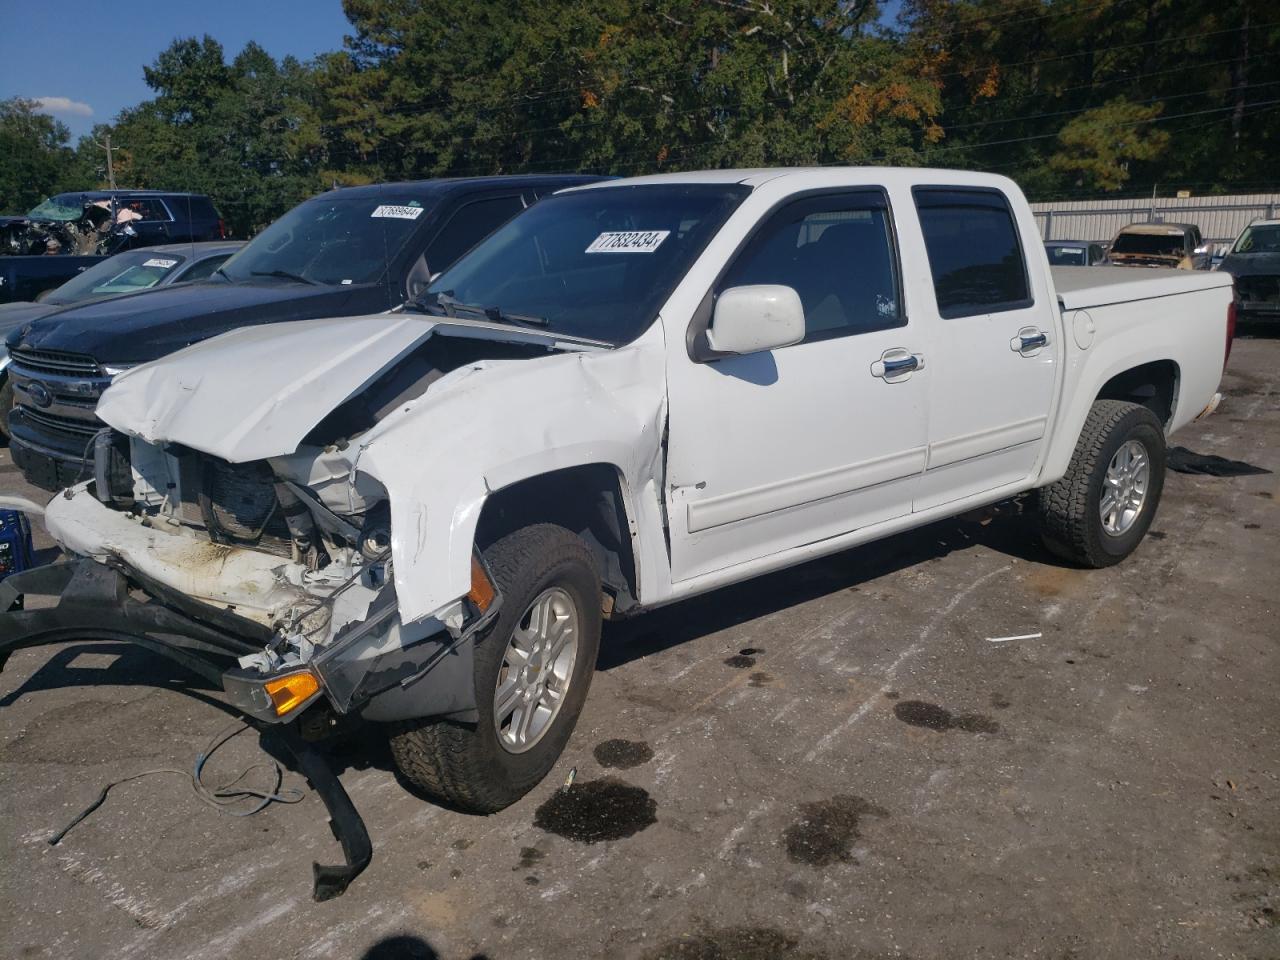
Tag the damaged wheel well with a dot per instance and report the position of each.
(1153, 385)
(587, 500)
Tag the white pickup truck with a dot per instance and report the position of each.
(634, 392)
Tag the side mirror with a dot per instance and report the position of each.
(755, 318)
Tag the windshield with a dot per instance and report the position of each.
(331, 240)
(1149, 244)
(1067, 256)
(595, 263)
(65, 206)
(1264, 238)
(123, 273)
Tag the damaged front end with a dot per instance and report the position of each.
(251, 563)
(98, 231)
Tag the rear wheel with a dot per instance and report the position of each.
(533, 667)
(1098, 513)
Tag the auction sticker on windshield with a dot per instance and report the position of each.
(159, 262)
(399, 213)
(628, 241)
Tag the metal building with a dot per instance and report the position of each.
(1220, 219)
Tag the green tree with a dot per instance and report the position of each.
(1098, 146)
(34, 156)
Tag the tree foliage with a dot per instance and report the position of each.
(34, 156)
(1066, 96)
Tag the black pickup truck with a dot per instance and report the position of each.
(70, 232)
(348, 252)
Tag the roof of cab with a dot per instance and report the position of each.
(873, 176)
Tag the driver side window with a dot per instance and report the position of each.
(837, 252)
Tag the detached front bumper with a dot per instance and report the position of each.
(377, 670)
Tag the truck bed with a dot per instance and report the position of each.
(1080, 288)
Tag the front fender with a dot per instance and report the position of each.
(495, 424)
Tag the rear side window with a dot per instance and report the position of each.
(974, 252)
(837, 252)
(470, 224)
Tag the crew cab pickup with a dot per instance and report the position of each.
(346, 252)
(633, 392)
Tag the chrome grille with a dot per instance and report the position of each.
(57, 363)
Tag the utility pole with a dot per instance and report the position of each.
(111, 169)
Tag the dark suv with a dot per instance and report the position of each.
(348, 252)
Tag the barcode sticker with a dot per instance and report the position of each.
(398, 213)
(628, 241)
(160, 262)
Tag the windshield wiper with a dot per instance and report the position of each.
(282, 274)
(498, 315)
(451, 307)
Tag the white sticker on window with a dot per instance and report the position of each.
(160, 262)
(399, 213)
(628, 241)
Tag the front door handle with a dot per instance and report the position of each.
(1029, 341)
(897, 363)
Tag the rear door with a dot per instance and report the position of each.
(774, 450)
(993, 345)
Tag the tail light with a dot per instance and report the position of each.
(222, 229)
(1231, 331)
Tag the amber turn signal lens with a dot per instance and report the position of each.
(291, 691)
(481, 593)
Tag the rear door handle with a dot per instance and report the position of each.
(897, 363)
(1029, 341)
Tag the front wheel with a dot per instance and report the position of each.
(1098, 513)
(6, 404)
(533, 667)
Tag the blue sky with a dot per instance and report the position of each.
(90, 54)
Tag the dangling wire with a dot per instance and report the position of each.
(221, 797)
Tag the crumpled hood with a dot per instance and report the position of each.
(1251, 264)
(255, 392)
(140, 327)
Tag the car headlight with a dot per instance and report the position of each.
(116, 371)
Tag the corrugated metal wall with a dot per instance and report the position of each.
(1220, 219)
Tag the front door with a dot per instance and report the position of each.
(993, 345)
(774, 450)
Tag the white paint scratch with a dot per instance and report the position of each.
(865, 707)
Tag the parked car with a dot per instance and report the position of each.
(1254, 263)
(69, 232)
(1177, 245)
(129, 272)
(346, 252)
(1075, 253)
(630, 394)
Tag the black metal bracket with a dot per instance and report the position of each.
(345, 822)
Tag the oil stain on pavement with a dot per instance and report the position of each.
(918, 713)
(605, 809)
(622, 754)
(826, 830)
(744, 658)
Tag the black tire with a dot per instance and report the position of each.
(6, 404)
(1071, 525)
(466, 766)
